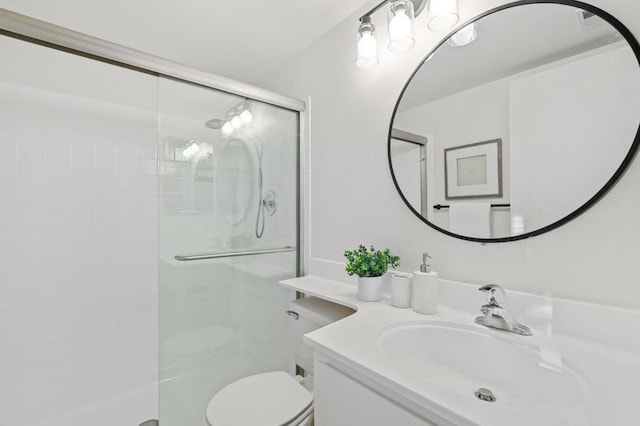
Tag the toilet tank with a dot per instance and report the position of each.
(308, 314)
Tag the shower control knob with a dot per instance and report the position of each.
(270, 203)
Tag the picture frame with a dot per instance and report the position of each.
(473, 170)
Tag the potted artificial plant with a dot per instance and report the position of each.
(369, 265)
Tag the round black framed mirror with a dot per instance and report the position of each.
(519, 123)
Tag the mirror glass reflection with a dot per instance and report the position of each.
(520, 127)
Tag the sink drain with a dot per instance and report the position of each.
(484, 394)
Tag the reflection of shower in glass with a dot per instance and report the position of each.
(191, 149)
(260, 215)
(236, 118)
(267, 204)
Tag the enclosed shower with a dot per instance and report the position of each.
(149, 211)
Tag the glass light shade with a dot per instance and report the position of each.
(191, 149)
(227, 128)
(246, 117)
(366, 45)
(400, 22)
(442, 14)
(464, 36)
(236, 123)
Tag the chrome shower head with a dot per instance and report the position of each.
(214, 123)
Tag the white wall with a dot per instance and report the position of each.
(565, 150)
(78, 260)
(593, 258)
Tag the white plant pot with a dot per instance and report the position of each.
(370, 288)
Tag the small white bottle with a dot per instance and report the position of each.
(425, 289)
(401, 289)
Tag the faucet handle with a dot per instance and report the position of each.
(496, 295)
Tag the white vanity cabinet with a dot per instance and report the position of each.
(384, 366)
(342, 400)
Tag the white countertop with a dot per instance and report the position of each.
(609, 362)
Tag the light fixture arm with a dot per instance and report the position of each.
(418, 6)
(442, 15)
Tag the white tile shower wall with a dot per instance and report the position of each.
(593, 258)
(78, 275)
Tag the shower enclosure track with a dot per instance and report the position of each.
(40, 32)
(237, 253)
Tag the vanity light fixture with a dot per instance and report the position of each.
(246, 117)
(400, 24)
(236, 123)
(464, 36)
(442, 15)
(227, 128)
(366, 44)
(237, 117)
(191, 149)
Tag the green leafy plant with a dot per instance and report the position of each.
(369, 262)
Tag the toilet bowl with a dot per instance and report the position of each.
(268, 399)
(276, 398)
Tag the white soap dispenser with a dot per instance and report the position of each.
(425, 289)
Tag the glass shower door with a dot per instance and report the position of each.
(228, 227)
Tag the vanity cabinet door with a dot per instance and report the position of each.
(339, 400)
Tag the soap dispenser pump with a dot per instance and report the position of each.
(425, 288)
(425, 267)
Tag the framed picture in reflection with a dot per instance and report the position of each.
(473, 170)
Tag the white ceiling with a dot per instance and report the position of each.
(509, 41)
(242, 39)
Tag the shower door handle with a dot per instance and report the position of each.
(237, 253)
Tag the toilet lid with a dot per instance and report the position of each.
(263, 399)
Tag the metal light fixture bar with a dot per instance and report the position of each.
(400, 21)
(441, 16)
(418, 5)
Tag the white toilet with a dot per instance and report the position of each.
(276, 398)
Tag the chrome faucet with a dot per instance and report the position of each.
(494, 312)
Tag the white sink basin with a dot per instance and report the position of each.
(463, 359)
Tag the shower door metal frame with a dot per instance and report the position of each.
(26, 28)
(421, 142)
(33, 30)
